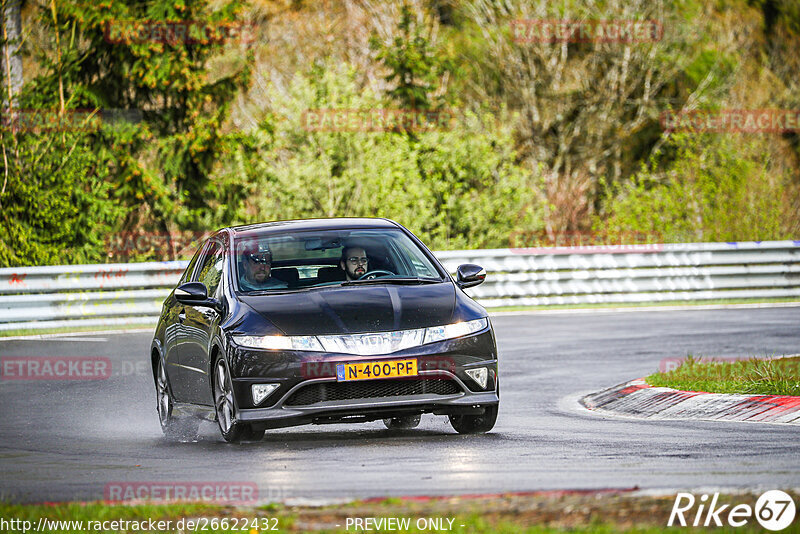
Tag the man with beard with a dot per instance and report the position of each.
(354, 262)
(256, 266)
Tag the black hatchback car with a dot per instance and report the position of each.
(322, 321)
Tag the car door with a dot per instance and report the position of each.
(198, 327)
(174, 335)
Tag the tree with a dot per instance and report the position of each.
(459, 187)
(160, 62)
(717, 188)
(57, 203)
(159, 168)
(11, 62)
(587, 110)
(414, 68)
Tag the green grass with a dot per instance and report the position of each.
(644, 304)
(779, 376)
(73, 329)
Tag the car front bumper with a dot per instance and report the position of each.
(442, 363)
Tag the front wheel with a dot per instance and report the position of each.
(174, 428)
(233, 431)
(475, 424)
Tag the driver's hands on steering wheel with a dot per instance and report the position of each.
(371, 275)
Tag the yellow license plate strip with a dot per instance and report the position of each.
(373, 370)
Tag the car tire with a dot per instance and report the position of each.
(174, 428)
(232, 431)
(475, 424)
(398, 423)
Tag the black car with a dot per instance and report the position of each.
(322, 321)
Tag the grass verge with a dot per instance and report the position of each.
(780, 376)
(544, 512)
(74, 329)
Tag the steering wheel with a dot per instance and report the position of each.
(369, 275)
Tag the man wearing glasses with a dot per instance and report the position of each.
(256, 266)
(354, 262)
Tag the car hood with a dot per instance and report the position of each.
(355, 309)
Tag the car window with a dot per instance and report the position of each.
(418, 265)
(210, 271)
(186, 276)
(302, 260)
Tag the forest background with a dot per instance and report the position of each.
(119, 147)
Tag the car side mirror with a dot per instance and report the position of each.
(470, 275)
(196, 294)
(191, 293)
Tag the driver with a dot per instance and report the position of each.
(354, 262)
(256, 266)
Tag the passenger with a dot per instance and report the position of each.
(256, 266)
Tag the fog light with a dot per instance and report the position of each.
(479, 375)
(262, 391)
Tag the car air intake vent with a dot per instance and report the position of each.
(370, 389)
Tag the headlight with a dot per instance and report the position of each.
(369, 344)
(279, 342)
(450, 331)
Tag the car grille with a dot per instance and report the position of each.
(370, 389)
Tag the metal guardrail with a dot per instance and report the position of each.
(132, 293)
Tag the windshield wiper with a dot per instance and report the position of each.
(401, 280)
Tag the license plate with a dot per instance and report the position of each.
(373, 370)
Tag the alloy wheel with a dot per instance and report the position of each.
(163, 399)
(223, 397)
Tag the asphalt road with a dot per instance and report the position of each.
(66, 440)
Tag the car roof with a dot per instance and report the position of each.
(312, 224)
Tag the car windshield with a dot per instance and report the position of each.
(302, 260)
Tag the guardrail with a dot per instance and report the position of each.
(132, 293)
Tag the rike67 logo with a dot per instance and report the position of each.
(774, 510)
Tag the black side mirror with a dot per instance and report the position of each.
(191, 293)
(196, 294)
(469, 275)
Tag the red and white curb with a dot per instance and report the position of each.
(638, 399)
